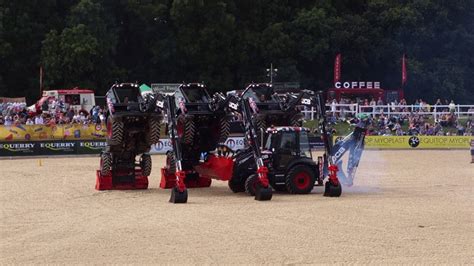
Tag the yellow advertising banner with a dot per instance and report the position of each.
(57, 132)
(418, 142)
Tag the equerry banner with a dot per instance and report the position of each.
(71, 147)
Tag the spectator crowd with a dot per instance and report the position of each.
(394, 118)
(49, 113)
(398, 119)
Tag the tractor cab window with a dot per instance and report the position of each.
(271, 142)
(305, 150)
(196, 94)
(127, 94)
(260, 93)
(288, 141)
(250, 94)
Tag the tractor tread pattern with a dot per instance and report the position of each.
(295, 121)
(224, 129)
(146, 165)
(117, 132)
(106, 167)
(154, 133)
(170, 163)
(189, 129)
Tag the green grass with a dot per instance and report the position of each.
(344, 128)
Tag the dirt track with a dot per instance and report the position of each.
(406, 207)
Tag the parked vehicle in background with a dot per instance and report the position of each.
(77, 98)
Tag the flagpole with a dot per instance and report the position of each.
(41, 81)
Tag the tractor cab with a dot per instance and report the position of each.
(194, 93)
(286, 146)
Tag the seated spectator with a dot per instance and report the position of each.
(444, 120)
(8, 121)
(16, 120)
(29, 122)
(460, 130)
(39, 120)
(398, 129)
(70, 114)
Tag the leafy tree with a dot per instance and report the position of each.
(228, 43)
(81, 55)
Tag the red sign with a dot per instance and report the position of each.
(404, 70)
(337, 68)
(357, 85)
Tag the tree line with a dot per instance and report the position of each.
(226, 44)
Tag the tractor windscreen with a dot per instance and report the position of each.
(271, 142)
(127, 94)
(260, 94)
(196, 94)
(305, 149)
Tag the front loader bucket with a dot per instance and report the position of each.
(215, 167)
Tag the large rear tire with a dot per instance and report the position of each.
(296, 121)
(145, 164)
(224, 129)
(105, 163)
(114, 131)
(154, 128)
(261, 126)
(170, 163)
(260, 123)
(186, 129)
(300, 180)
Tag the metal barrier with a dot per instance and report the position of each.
(461, 111)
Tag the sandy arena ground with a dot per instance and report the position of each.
(406, 207)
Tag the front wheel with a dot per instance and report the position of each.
(251, 184)
(300, 180)
(236, 186)
(332, 190)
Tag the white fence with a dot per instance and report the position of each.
(460, 111)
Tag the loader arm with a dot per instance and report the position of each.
(304, 98)
(263, 190)
(354, 145)
(253, 141)
(179, 192)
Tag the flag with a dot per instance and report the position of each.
(404, 70)
(337, 68)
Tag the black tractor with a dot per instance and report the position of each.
(197, 123)
(290, 164)
(270, 109)
(133, 125)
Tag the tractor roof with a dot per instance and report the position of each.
(286, 129)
